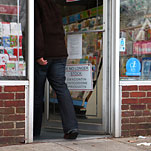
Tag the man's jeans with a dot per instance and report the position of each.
(54, 71)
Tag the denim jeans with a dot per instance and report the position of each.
(54, 71)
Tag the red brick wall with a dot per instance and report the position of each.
(12, 114)
(136, 110)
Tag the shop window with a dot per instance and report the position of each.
(135, 40)
(12, 39)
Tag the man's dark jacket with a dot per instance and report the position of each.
(49, 32)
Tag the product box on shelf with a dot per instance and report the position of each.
(22, 67)
(13, 40)
(142, 47)
(2, 66)
(137, 47)
(146, 67)
(149, 47)
(12, 58)
(11, 68)
(6, 41)
(20, 40)
(16, 52)
(148, 34)
(5, 29)
(8, 50)
(4, 58)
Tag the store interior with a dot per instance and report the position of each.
(79, 16)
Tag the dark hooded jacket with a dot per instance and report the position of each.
(49, 32)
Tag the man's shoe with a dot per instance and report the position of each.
(71, 134)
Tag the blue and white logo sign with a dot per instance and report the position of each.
(133, 67)
(122, 44)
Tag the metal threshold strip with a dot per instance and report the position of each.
(50, 135)
(78, 139)
(88, 133)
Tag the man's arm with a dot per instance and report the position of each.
(39, 39)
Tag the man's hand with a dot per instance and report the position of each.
(42, 62)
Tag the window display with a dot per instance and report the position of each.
(12, 40)
(135, 39)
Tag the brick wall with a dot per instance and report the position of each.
(12, 114)
(136, 110)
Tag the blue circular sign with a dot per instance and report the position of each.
(133, 67)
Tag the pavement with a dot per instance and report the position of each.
(86, 144)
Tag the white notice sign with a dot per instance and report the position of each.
(74, 46)
(79, 77)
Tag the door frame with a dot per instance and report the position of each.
(111, 119)
(105, 126)
(106, 92)
(115, 104)
(30, 74)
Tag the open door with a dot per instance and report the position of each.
(85, 26)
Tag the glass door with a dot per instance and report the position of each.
(83, 25)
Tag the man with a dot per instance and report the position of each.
(50, 62)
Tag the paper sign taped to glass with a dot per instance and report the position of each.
(74, 46)
(79, 77)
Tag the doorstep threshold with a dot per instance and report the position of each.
(80, 137)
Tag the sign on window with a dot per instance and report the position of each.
(79, 77)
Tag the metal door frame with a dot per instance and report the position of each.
(29, 91)
(115, 104)
(105, 127)
(111, 109)
(111, 119)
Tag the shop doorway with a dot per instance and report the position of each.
(84, 19)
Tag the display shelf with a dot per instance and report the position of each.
(130, 28)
